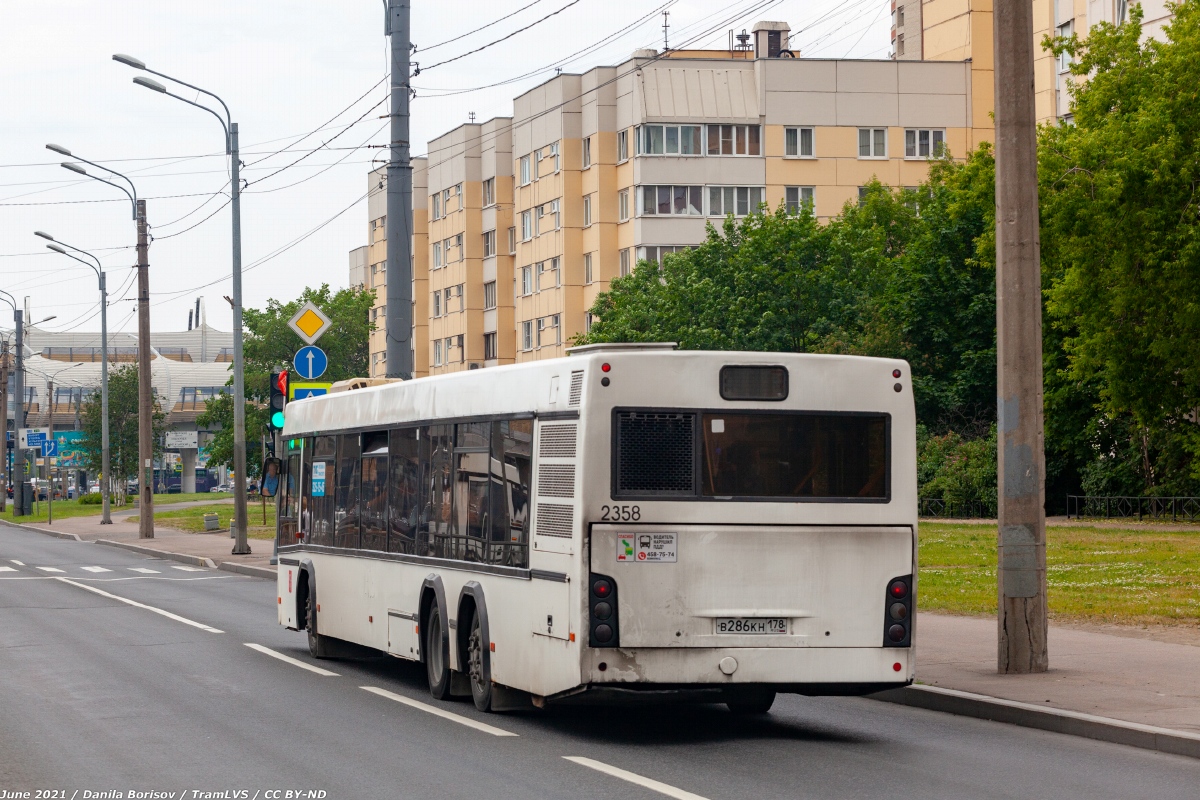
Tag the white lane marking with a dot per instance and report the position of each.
(144, 570)
(126, 600)
(50, 569)
(95, 569)
(470, 723)
(189, 569)
(633, 777)
(7, 569)
(18, 563)
(295, 662)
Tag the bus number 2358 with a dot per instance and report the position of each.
(620, 513)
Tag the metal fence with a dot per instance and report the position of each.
(937, 508)
(1172, 508)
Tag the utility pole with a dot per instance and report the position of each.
(4, 470)
(145, 390)
(20, 498)
(1021, 623)
(241, 517)
(398, 323)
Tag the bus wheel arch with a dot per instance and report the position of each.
(435, 636)
(474, 644)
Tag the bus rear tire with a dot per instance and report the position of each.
(479, 673)
(318, 646)
(437, 668)
(751, 702)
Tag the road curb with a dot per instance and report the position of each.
(198, 561)
(247, 569)
(1057, 720)
(43, 531)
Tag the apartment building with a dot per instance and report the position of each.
(527, 219)
(907, 30)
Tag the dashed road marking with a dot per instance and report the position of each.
(633, 777)
(18, 563)
(95, 569)
(7, 569)
(50, 569)
(295, 662)
(144, 570)
(189, 569)
(428, 709)
(135, 603)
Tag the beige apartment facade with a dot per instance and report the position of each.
(529, 219)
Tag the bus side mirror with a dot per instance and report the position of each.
(269, 485)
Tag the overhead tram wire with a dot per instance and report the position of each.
(477, 30)
(502, 38)
(366, 143)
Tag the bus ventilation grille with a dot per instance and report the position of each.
(656, 453)
(555, 520)
(576, 388)
(558, 441)
(556, 480)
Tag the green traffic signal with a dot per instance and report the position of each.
(277, 420)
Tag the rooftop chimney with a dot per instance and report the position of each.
(771, 40)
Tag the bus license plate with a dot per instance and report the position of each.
(751, 625)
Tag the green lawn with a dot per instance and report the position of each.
(1095, 574)
(192, 519)
(73, 508)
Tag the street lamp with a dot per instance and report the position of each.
(240, 516)
(145, 390)
(19, 499)
(105, 473)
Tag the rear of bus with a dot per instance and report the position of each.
(751, 521)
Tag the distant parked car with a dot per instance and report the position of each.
(224, 487)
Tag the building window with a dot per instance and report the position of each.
(526, 336)
(921, 143)
(624, 262)
(587, 268)
(669, 140)
(554, 154)
(798, 142)
(462, 351)
(524, 170)
(655, 253)
(587, 322)
(489, 192)
(1122, 12)
(437, 352)
(526, 280)
(437, 304)
(862, 196)
(1064, 58)
(622, 146)
(458, 246)
(900, 38)
(587, 152)
(872, 143)
(512, 241)
(436, 200)
(437, 255)
(587, 210)
(734, 140)
(489, 346)
(900, 16)
(666, 200)
(489, 244)
(489, 295)
(526, 226)
(623, 205)
(797, 196)
(554, 267)
(541, 332)
(736, 200)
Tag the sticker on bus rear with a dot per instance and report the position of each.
(655, 548)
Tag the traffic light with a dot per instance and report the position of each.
(279, 393)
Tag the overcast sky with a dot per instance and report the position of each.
(285, 70)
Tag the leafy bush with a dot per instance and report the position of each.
(956, 469)
(91, 499)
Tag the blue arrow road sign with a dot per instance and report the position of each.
(301, 394)
(50, 448)
(310, 362)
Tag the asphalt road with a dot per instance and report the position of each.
(99, 695)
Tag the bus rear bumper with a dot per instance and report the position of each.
(809, 669)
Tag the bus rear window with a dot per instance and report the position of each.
(796, 455)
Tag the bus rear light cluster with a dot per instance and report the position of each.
(898, 608)
(602, 606)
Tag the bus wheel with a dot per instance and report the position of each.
(436, 668)
(481, 678)
(749, 702)
(318, 646)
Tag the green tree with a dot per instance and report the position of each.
(1121, 249)
(270, 344)
(122, 426)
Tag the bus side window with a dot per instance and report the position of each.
(438, 515)
(513, 450)
(346, 492)
(373, 490)
(404, 480)
(321, 490)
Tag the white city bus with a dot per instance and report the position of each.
(628, 519)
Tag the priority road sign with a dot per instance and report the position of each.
(310, 362)
(300, 390)
(309, 323)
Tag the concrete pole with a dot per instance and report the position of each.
(4, 471)
(105, 461)
(20, 497)
(240, 518)
(145, 390)
(398, 323)
(1021, 485)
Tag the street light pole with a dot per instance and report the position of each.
(145, 384)
(240, 514)
(18, 476)
(105, 463)
(398, 322)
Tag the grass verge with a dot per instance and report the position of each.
(1106, 575)
(191, 519)
(73, 508)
